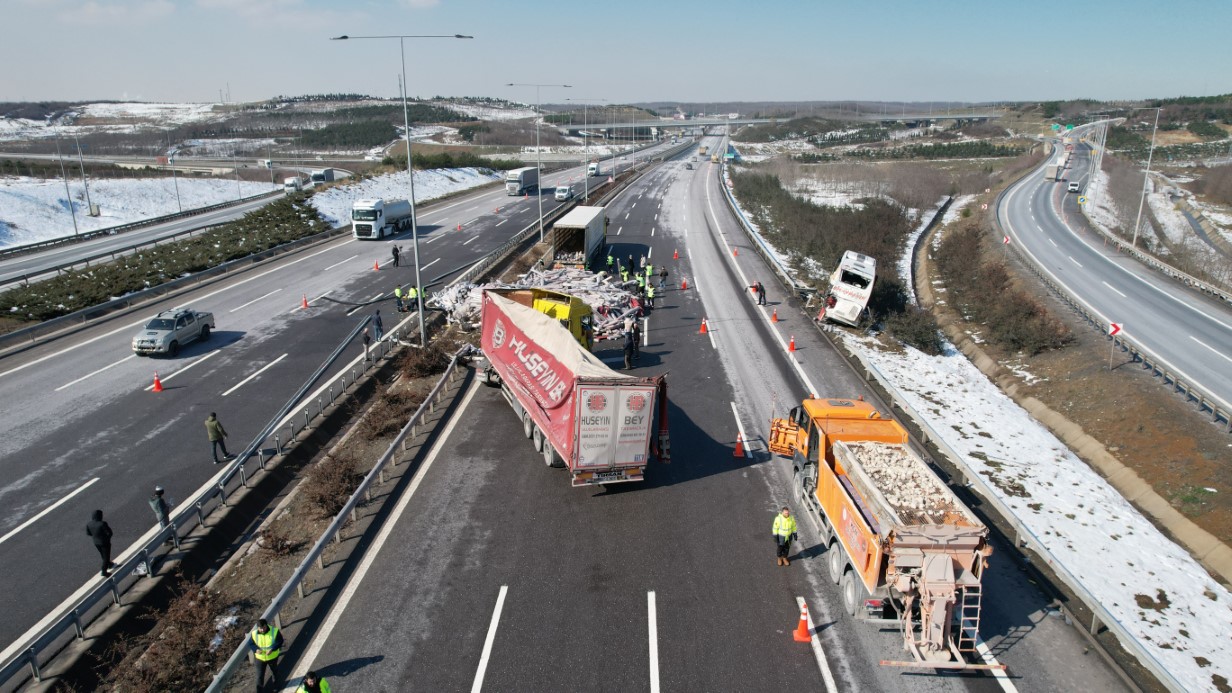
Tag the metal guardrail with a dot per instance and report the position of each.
(70, 622)
(1024, 537)
(295, 584)
(763, 249)
(1159, 366)
(13, 251)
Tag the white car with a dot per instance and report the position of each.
(564, 192)
(1074, 187)
(166, 332)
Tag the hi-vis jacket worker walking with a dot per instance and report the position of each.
(784, 531)
(265, 644)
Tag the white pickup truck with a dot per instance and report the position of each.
(171, 329)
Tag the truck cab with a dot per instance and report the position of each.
(593, 169)
(564, 192)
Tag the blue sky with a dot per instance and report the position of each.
(633, 50)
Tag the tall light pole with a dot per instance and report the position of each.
(586, 145)
(410, 173)
(68, 196)
(84, 182)
(1145, 178)
(538, 155)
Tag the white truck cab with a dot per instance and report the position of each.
(564, 192)
(1074, 187)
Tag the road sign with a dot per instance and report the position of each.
(1069, 127)
(1005, 240)
(1114, 328)
(1055, 127)
(1082, 199)
(984, 206)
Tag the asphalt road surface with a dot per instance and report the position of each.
(497, 575)
(83, 433)
(1188, 330)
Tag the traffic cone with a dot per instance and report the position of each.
(735, 252)
(676, 254)
(684, 284)
(791, 346)
(158, 384)
(459, 227)
(774, 317)
(376, 266)
(739, 451)
(304, 303)
(802, 634)
(704, 329)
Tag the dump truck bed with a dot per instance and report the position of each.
(899, 486)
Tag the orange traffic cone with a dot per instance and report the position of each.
(304, 304)
(676, 254)
(802, 634)
(735, 252)
(684, 283)
(791, 346)
(774, 317)
(459, 227)
(376, 266)
(739, 451)
(704, 329)
(158, 384)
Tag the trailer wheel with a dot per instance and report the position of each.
(550, 458)
(528, 426)
(538, 439)
(835, 561)
(852, 592)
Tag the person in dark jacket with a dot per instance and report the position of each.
(218, 437)
(265, 645)
(629, 346)
(100, 532)
(159, 505)
(396, 252)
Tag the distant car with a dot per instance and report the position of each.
(166, 332)
(1074, 187)
(688, 166)
(564, 192)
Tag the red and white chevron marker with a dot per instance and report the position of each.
(1005, 240)
(1114, 329)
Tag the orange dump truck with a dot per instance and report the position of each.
(901, 546)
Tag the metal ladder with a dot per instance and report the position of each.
(969, 618)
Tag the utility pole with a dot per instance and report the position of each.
(67, 195)
(84, 182)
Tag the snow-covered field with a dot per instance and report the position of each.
(334, 204)
(489, 112)
(161, 113)
(760, 151)
(1154, 588)
(33, 210)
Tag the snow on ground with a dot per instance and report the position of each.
(162, 113)
(760, 151)
(490, 112)
(833, 193)
(1151, 585)
(1154, 588)
(33, 210)
(224, 147)
(904, 262)
(334, 203)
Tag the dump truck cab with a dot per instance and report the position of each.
(570, 311)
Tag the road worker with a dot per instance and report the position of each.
(784, 531)
(313, 683)
(650, 294)
(610, 261)
(398, 299)
(265, 644)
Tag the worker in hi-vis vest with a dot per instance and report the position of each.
(784, 531)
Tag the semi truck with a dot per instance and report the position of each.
(324, 175)
(292, 185)
(571, 312)
(578, 237)
(521, 181)
(901, 546)
(851, 286)
(1050, 172)
(701, 151)
(593, 169)
(579, 413)
(379, 218)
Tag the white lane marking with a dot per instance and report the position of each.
(433, 240)
(999, 674)
(1114, 289)
(652, 232)
(1071, 259)
(501, 222)
(652, 620)
(90, 375)
(339, 263)
(656, 216)
(356, 309)
(1054, 243)
(424, 267)
(467, 242)
(710, 333)
(261, 370)
(352, 586)
(13, 532)
(651, 251)
(487, 641)
(1208, 346)
(645, 331)
(626, 216)
(818, 653)
(165, 378)
(739, 425)
(254, 301)
(618, 230)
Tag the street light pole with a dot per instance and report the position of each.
(84, 182)
(1145, 179)
(68, 196)
(538, 154)
(419, 292)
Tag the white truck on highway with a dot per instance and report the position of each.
(171, 329)
(292, 185)
(323, 175)
(521, 181)
(1050, 172)
(379, 218)
(594, 169)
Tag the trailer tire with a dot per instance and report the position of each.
(538, 439)
(550, 458)
(835, 561)
(852, 592)
(528, 426)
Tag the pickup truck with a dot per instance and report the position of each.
(171, 329)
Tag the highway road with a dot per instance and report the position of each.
(82, 432)
(497, 575)
(1184, 328)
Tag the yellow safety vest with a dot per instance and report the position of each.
(303, 688)
(783, 526)
(265, 641)
(412, 292)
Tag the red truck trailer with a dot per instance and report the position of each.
(578, 412)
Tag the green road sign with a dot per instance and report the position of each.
(1055, 127)
(1069, 127)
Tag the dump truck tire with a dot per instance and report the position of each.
(835, 560)
(852, 592)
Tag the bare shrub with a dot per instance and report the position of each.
(1215, 183)
(431, 360)
(386, 416)
(276, 543)
(330, 482)
(915, 327)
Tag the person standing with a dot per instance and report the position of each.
(378, 327)
(218, 437)
(761, 293)
(398, 299)
(412, 298)
(159, 505)
(642, 262)
(396, 253)
(624, 274)
(98, 530)
(662, 278)
(313, 683)
(784, 531)
(650, 294)
(367, 342)
(265, 644)
(637, 340)
(629, 347)
(610, 261)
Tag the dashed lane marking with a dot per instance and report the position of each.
(94, 373)
(259, 371)
(489, 640)
(171, 375)
(13, 532)
(241, 307)
(339, 263)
